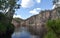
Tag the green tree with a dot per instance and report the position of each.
(50, 34)
(6, 29)
(54, 25)
(7, 10)
(8, 7)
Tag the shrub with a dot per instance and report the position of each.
(6, 27)
(50, 34)
(2, 28)
(54, 25)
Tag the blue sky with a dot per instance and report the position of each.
(32, 7)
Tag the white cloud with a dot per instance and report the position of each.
(35, 11)
(27, 3)
(17, 16)
(38, 1)
(53, 7)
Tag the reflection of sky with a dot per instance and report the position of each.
(22, 34)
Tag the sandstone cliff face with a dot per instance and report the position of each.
(43, 16)
(37, 22)
(39, 19)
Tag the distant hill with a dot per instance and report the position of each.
(18, 19)
(17, 22)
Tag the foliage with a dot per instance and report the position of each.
(1, 15)
(50, 34)
(6, 28)
(2, 28)
(53, 25)
(8, 7)
(8, 3)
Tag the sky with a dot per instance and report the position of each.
(29, 8)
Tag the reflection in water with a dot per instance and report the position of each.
(23, 34)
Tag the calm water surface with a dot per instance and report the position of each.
(23, 34)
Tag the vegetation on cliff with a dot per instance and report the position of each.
(53, 28)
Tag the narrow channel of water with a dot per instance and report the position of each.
(23, 33)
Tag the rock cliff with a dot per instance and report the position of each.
(36, 23)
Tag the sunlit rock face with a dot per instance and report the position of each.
(36, 23)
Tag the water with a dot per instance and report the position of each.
(23, 34)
